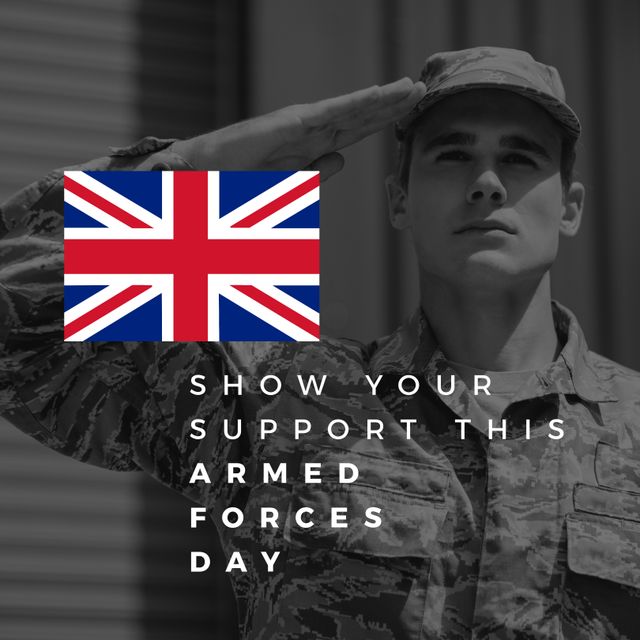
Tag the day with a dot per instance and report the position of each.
(201, 561)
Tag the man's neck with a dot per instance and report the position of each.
(493, 330)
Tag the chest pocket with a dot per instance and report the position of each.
(357, 580)
(604, 549)
(602, 587)
(616, 468)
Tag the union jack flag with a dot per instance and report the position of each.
(191, 255)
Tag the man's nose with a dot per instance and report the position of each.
(487, 186)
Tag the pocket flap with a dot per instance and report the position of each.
(407, 478)
(610, 551)
(607, 502)
(410, 497)
(616, 468)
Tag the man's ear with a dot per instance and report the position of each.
(573, 205)
(397, 202)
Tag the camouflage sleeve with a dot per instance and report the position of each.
(94, 402)
(53, 391)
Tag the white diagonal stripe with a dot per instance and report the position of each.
(114, 316)
(116, 198)
(93, 212)
(117, 282)
(266, 197)
(93, 301)
(262, 312)
(289, 210)
(293, 303)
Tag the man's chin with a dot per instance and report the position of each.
(495, 269)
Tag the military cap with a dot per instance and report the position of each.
(451, 72)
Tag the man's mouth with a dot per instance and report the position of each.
(486, 224)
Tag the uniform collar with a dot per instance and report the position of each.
(407, 350)
(412, 349)
(573, 371)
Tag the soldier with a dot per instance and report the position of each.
(509, 515)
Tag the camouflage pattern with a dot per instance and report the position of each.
(480, 538)
(450, 72)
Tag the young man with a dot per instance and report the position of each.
(509, 515)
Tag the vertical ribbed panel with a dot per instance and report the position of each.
(87, 553)
(68, 78)
(80, 75)
(190, 66)
(69, 541)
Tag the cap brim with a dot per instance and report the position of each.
(558, 110)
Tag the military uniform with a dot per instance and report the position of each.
(513, 538)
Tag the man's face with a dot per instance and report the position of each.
(484, 199)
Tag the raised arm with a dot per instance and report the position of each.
(125, 406)
(304, 135)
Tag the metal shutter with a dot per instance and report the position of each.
(86, 553)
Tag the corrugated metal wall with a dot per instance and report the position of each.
(86, 553)
(68, 78)
(70, 540)
(80, 75)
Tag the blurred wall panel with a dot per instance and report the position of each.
(567, 35)
(191, 78)
(86, 553)
(620, 95)
(69, 547)
(304, 51)
(68, 79)
(190, 66)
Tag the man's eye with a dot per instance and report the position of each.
(519, 158)
(453, 156)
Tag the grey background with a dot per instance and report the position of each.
(79, 75)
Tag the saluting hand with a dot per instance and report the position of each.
(303, 135)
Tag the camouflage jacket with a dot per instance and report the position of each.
(516, 538)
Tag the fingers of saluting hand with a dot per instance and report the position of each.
(344, 120)
(382, 104)
(328, 165)
(298, 135)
